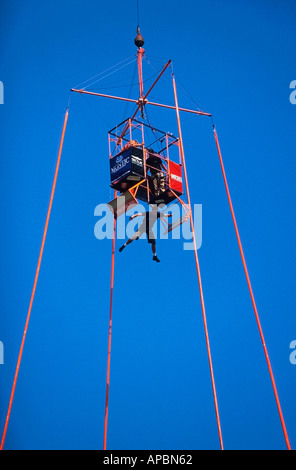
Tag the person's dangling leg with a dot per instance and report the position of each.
(130, 240)
(136, 236)
(153, 247)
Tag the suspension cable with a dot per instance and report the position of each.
(35, 280)
(251, 291)
(110, 334)
(92, 79)
(198, 271)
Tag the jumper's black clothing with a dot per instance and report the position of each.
(156, 168)
(150, 217)
(154, 163)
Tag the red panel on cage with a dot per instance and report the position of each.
(175, 177)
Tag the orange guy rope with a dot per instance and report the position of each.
(198, 269)
(35, 281)
(110, 332)
(251, 293)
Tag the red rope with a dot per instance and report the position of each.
(198, 272)
(251, 293)
(110, 334)
(35, 281)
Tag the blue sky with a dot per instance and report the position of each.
(235, 60)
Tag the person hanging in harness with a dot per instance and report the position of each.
(150, 217)
(157, 172)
